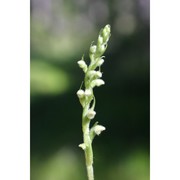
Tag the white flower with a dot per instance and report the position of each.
(88, 92)
(98, 74)
(97, 82)
(93, 49)
(80, 93)
(83, 146)
(98, 129)
(100, 62)
(82, 65)
(91, 114)
(94, 73)
(91, 73)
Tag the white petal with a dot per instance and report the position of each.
(98, 129)
(80, 93)
(91, 114)
(88, 92)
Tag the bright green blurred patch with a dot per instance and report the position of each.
(134, 167)
(137, 166)
(63, 165)
(47, 79)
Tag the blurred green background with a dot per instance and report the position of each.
(61, 31)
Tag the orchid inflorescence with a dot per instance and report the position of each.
(86, 97)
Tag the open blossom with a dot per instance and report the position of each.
(83, 146)
(98, 74)
(91, 114)
(97, 82)
(94, 73)
(82, 65)
(88, 92)
(80, 93)
(100, 62)
(93, 49)
(91, 73)
(98, 129)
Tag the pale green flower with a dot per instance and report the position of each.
(87, 98)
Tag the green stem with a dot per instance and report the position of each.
(86, 136)
(88, 150)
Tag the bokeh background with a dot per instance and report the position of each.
(61, 32)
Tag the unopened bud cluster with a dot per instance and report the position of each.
(99, 49)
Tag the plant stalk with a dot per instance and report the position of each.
(88, 142)
(92, 78)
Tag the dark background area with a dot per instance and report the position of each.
(61, 32)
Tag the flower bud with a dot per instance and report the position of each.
(106, 33)
(82, 65)
(91, 114)
(102, 48)
(107, 28)
(100, 62)
(88, 92)
(93, 49)
(98, 129)
(80, 93)
(100, 40)
(83, 146)
(98, 74)
(97, 82)
(91, 73)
